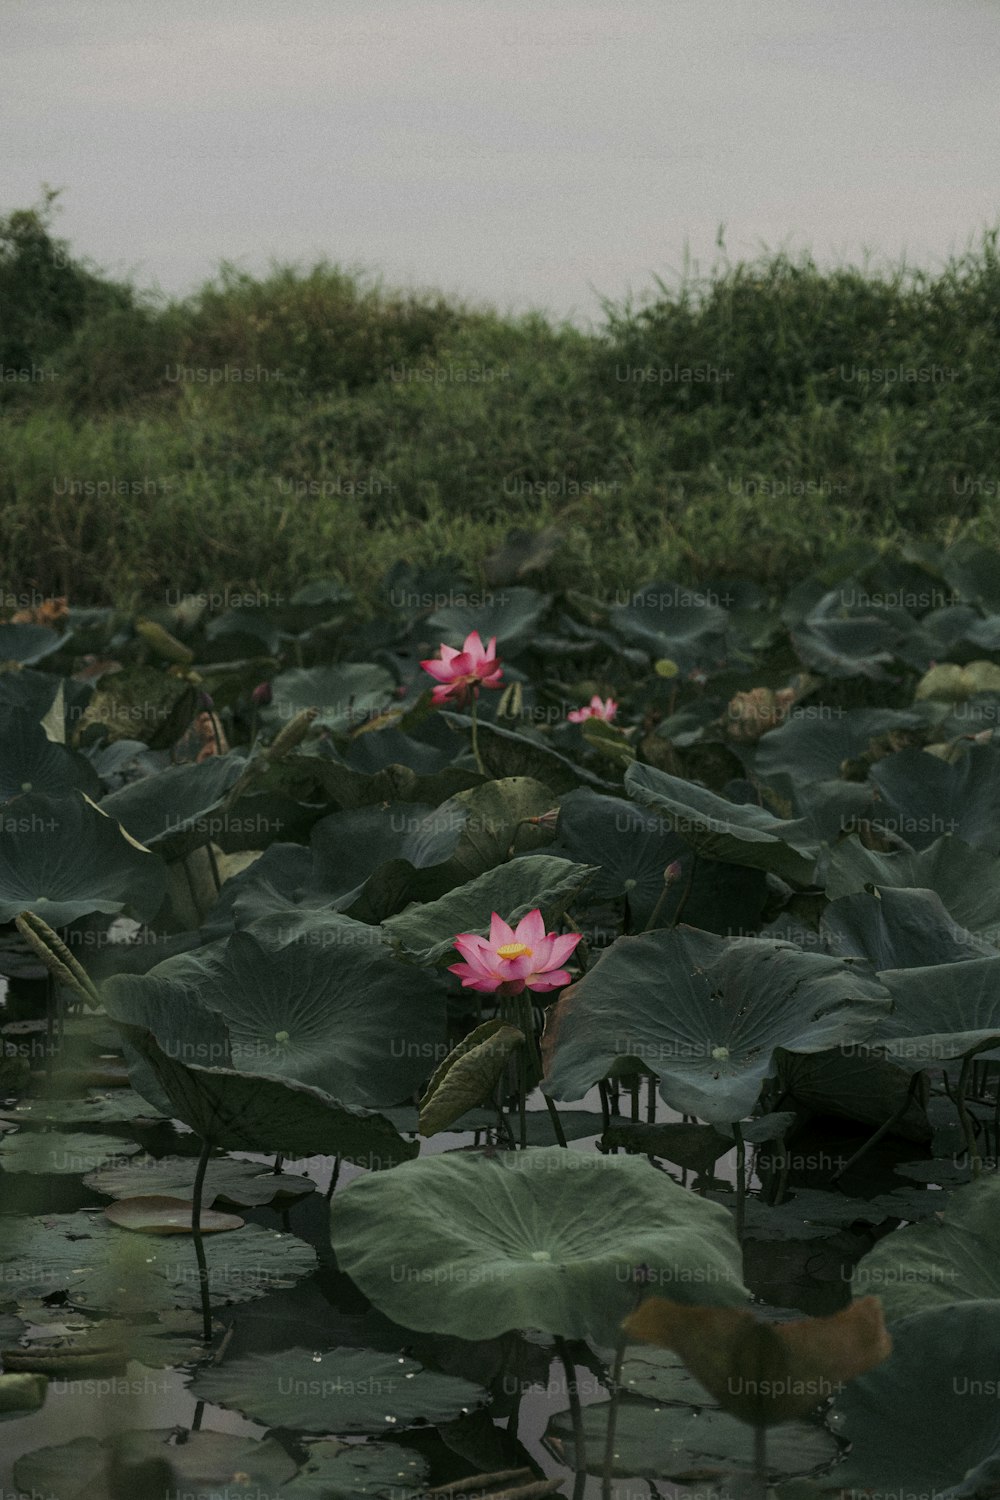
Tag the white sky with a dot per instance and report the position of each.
(521, 152)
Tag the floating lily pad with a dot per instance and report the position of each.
(734, 833)
(97, 1109)
(161, 1215)
(477, 1245)
(242, 1184)
(428, 932)
(62, 1154)
(336, 1391)
(202, 1466)
(62, 858)
(358, 1471)
(678, 1442)
(101, 1268)
(706, 1014)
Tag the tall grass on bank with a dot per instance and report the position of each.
(263, 432)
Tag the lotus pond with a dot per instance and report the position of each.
(498, 1043)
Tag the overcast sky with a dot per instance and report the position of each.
(521, 152)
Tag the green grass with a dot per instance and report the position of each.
(331, 463)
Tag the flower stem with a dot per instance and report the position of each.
(475, 735)
(199, 1244)
(576, 1414)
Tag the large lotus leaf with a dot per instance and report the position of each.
(327, 776)
(735, 833)
(926, 797)
(349, 845)
(468, 1075)
(918, 1423)
(706, 1014)
(953, 1257)
(966, 879)
(178, 809)
(28, 643)
(358, 1471)
(331, 1007)
(869, 1089)
(899, 929)
(252, 1112)
(42, 1153)
(203, 1464)
(668, 620)
(279, 880)
(31, 762)
(240, 1184)
(102, 1268)
(168, 1007)
(687, 1443)
(340, 1391)
(839, 647)
(815, 741)
(511, 615)
(477, 1245)
(63, 859)
(345, 695)
(506, 752)
(940, 1013)
(140, 703)
(971, 569)
(428, 932)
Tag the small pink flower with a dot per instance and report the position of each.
(597, 708)
(513, 959)
(458, 672)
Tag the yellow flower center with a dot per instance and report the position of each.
(514, 950)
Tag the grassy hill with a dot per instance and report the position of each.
(267, 431)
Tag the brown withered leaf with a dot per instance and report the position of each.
(761, 1372)
(48, 612)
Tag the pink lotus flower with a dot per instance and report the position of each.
(513, 959)
(459, 672)
(597, 708)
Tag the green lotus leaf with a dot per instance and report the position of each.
(346, 694)
(358, 1471)
(103, 1269)
(203, 1464)
(512, 616)
(62, 858)
(31, 762)
(813, 744)
(684, 1442)
(339, 1390)
(840, 647)
(706, 1014)
(734, 833)
(920, 1422)
(468, 1075)
(478, 1245)
(95, 1109)
(632, 850)
(507, 752)
(331, 1007)
(177, 809)
(253, 1112)
(926, 797)
(855, 1087)
(239, 1184)
(953, 1257)
(513, 889)
(59, 1153)
(668, 620)
(899, 929)
(966, 879)
(940, 1013)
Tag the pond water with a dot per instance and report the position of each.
(523, 154)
